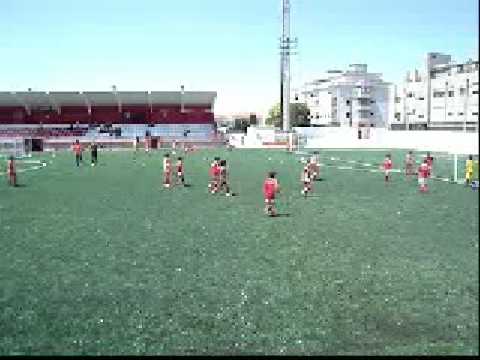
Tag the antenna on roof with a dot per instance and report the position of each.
(182, 103)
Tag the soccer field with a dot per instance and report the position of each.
(104, 260)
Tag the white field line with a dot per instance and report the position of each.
(32, 168)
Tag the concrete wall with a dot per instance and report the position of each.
(444, 141)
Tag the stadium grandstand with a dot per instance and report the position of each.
(52, 119)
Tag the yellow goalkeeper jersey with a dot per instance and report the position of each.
(469, 166)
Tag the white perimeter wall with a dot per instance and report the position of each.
(444, 141)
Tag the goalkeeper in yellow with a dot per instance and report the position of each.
(469, 170)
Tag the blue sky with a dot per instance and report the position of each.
(229, 46)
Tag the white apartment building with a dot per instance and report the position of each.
(443, 97)
(352, 98)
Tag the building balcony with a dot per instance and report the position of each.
(363, 96)
(363, 107)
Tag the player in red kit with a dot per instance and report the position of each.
(409, 164)
(315, 167)
(77, 149)
(180, 179)
(223, 178)
(11, 172)
(387, 167)
(270, 189)
(429, 159)
(423, 175)
(214, 173)
(307, 179)
(167, 171)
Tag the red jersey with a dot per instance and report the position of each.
(77, 148)
(270, 188)
(11, 167)
(167, 165)
(387, 164)
(215, 170)
(180, 167)
(423, 171)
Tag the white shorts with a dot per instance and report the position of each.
(387, 172)
(422, 181)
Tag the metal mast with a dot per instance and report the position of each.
(286, 46)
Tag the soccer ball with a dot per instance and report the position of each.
(93, 164)
(53, 155)
(269, 159)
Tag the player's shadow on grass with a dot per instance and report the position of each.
(282, 215)
(320, 179)
(20, 186)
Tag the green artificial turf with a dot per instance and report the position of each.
(105, 261)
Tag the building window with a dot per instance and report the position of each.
(438, 94)
(462, 91)
(460, 113)
(421, 98)
(421, 116)
(311, 95)
(371, 114)
(475, 92)
(450, 114)
(317, 116)
(347, 115)
(372, 102)
(348, 102)
(475, 83)
(475, 113)
(410, 95)
(451, 93)
(398, 100)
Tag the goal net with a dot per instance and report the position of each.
(12, 147)
(297, 143)
(452, 167)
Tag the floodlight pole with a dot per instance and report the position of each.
(286, 46)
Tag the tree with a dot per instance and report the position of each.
(299, 115)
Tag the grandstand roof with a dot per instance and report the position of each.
(107, 98)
